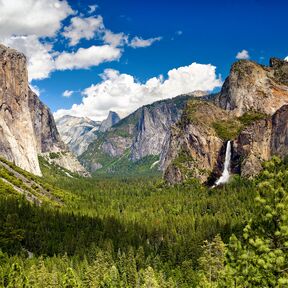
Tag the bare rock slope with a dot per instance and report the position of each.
(79, 132)
(251, 86)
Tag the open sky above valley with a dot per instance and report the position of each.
(86, 58)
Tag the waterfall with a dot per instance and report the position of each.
(226, 173)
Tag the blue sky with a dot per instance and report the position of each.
(204, 32)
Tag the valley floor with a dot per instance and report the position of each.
(108, 232)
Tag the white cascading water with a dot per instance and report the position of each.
(226, 172)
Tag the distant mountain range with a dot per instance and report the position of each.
(79, 132)
(131, 145)
(185, 137)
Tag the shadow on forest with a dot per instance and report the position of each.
(50, 232)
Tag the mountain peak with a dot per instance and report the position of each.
(112, 119)
(252, 86)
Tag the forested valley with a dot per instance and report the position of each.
(141, 232)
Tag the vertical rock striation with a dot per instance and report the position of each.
(18, 141)
(47, 137)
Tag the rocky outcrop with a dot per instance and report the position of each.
(260, 141)
(251, 86)
(254, 99)
(48, 140)
(27, 126)
(252, 147)
(279, 139)
(194, 146)
(18, 142)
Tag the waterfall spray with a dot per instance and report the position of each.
(226, 172)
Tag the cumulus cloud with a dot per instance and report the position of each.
(115, 39)
(138, 42)
(83, 28)
(244, 54)
(124, 94)
(67, 93)
(23, 23)
(84, 58)
(40, 61)
(286, 58)
(33, 27)
(32, 17)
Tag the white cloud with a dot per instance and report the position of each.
(40, 61)
(85, 58)
(22, 23)
(92, 8)
(286, 58)
(244, 54)
(138, 42)
(32, 17)
(83, 28)
(67, 93)
(124, 94)
(33, 27)
(115, 40)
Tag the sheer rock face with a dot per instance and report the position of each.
(279, 142)
(260, 141)
(252, 147)
(153, 129)
(251, 86)
(27, 127)
(47, 137)
(193, 148)
(18, 141)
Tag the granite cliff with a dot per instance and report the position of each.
(27, 127)
(251, 110)
(251, 86)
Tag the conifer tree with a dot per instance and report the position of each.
(260, 259)
(211, 263)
